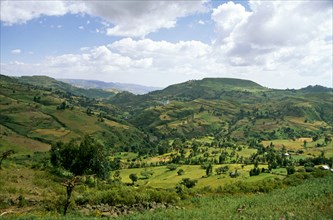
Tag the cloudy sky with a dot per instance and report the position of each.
(279, 44)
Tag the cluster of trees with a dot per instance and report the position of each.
(88, 157)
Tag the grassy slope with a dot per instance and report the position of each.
(25, 122)
(311, 200)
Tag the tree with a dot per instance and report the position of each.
(188, 182)
(70, 184)
(89, 157)
(180, 172)
(221, 170)
(133, 177)
(5, 155)
(209, 169)
(117, 177)
(290, 170)
(172, 166)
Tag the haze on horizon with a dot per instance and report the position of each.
(278, 44)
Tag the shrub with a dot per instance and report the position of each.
(221, 170)
(188, 182)
(172, 166)
(180, 172)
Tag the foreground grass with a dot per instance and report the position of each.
(311, 200)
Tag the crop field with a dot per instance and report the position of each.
(164, 178)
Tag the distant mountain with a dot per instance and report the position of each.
(48, 82)
(95, 84)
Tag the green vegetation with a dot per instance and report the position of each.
(196, 150)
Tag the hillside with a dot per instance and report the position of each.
(229, 108)
(48, 82)
(35, 114)
(224, 145)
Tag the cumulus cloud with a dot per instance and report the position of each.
(278, 44)
(13, 12)
(16, 51)
(128, 18)
(276, 36)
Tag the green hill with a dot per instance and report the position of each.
(226, 109)
(38, 114)
(195, 144)
(229, 108)
(48, 82)
(208, 88)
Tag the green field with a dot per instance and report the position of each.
(311, 200)
(164, 178)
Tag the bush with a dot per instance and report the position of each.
(221, 170)
(180, 172)
(255, 171)
(188, 182)
(172, 166)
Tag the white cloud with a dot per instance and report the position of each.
(129, 18)
(201, 22)
(139, 18)
(81, 27)
(22, 11)
(278, 39)
(16, 51)
(278, 44)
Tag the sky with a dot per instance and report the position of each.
(278, 44)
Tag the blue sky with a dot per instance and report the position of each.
(285, 44)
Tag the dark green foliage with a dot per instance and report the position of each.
(180, 172)
(189, 183)
(5, 155)
(172, 166)
(290, 170)
(209, 170)
(133, 177)
(255, 171)
(88, 157)
(221, 170)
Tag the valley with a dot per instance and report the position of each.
(229, 140)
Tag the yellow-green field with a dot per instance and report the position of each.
(164, 178)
